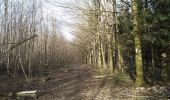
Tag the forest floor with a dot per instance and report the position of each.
(80, 83)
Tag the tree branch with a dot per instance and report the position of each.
(19, 44)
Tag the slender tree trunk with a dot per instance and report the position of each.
(21, 64)
(138, 53)
(99, 57)
(110, 54)
(103, 56)
(118, 52)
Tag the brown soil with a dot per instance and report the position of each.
(76, 84)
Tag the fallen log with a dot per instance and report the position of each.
(101, 77)
(26, 93)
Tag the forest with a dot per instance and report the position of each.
(96, 50)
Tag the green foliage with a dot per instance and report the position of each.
(163, 17)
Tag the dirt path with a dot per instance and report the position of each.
(79, 84)
(66, 86)
(76, 84)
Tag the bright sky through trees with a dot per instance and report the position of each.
(64, 17)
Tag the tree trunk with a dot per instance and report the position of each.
(138, 53)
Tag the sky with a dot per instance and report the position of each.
(65, 19)
(60, 9)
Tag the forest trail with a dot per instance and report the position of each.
(66, 85)
(80, 83)
(66, 49)
(76, 84)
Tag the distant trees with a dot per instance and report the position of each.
(117, 37)
(122, 36)
(103, 46)
(28, 39)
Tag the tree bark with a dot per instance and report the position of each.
(138, 53)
